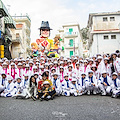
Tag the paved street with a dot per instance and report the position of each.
(61, 108)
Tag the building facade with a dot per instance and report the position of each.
(6, 23)
(71, 40)
(104, 33)
(21, 37)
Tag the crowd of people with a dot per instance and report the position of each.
(44, 78)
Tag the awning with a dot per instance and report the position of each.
(3, 9)
(10, 22)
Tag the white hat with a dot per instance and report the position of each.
(77, 63)
(26, 75)
(37, 60)
(106, 58)
(18, 78)
(61, 67)
(36, 73)
(46, 82)
(83, 73)
(115, 74)
(85, 61)
(65, 58)
(99, 57)
(90, 71)
(55, 62)
(81, 61)
(91, 60)
(27, 65)
(66, 75)
(15, 59)
(70, 66)
(34, 58)
(43, 62)
(104, 72)
(4, 63)
(34, 67)
(37, 63)
(75, 58)
(42, 58)
(53, 68)
(12, 63)
(41, 66)
(9, 77)
(55, 73)
(61, 62)
(69, 61)
(46, 64)
(27, 59)
(73, 79)
(30, 62)
(1, 60)
(19, 63)
(93, 65)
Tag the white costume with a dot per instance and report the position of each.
(103, 88)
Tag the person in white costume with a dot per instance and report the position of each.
(105, 83)
(116, 85)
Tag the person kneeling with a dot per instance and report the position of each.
(46, 92)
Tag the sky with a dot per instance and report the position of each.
(59, 12)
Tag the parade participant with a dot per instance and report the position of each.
(116, 86)
(75, 89)
(3, 80)
(116, 63)
(36, 75)
(85, 66)
(91, 84)
(19, 89)
(61, 74)
(70, 72)
(20, 70)
(38, 66)
(27, 70)
(5, 68)
(31, 65)
(99, 67)
(66, 86)
(32, 89)
(47, 92)
(55, 65)
(56, 83)
(82, 82)
(106, 66)
(34, 70)
(44, 78)
(94, 69)
(105, 83)
(53, 70)
(24, 65)
(9, 88)
(13, 71)
(78, 71)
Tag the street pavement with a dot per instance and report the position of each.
(61, 108)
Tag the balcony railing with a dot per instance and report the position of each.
(70, 47)
(71, 34)
(16, 39)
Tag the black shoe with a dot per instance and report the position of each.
(40, 99)
(33, 98)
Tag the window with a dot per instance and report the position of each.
(70, 30)
(113, 36)
(71, 42)
(106, 37)
(105, 19)
(71, 53)
(112, 18)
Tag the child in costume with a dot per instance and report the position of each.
(116, 86)
(47, 91)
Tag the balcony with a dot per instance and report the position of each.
(70, 47)
(71, 34)
(16, 39)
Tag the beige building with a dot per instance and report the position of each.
(104, 32)
(21, 37)
(71, 40)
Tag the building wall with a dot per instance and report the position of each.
(99, 24)
(101, 45)
(77, 41)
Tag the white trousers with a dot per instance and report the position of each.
(106, 89)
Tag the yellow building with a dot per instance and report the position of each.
(21, 37)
